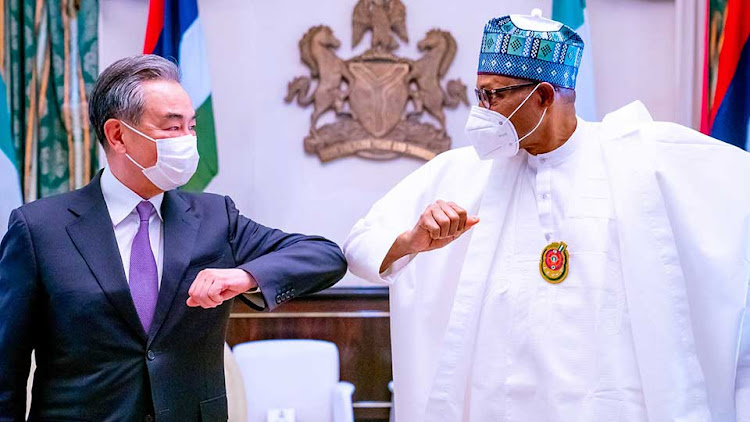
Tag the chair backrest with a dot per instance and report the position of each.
(235, 387)
(284, 374)
(30, 383)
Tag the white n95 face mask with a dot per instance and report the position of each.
(492, 134)
(176, 160)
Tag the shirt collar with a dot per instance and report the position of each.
(562, 152)
(121, 201)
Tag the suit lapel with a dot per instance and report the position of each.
(180, 232)
(94, 237)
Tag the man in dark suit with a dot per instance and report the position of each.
(124, 288)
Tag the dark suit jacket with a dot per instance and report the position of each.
(63, 293)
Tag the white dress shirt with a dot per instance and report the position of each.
(121, 203)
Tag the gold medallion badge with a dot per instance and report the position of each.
(553, 264)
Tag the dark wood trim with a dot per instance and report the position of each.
(372, 414)
(375, 292)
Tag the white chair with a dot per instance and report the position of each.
(235, 387)
(294, 374)
(30, 383)
(392, 417)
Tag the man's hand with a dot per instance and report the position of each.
(213, 286)
(440, 224)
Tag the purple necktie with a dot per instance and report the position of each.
(144, 283)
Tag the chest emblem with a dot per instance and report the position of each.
(553, 265)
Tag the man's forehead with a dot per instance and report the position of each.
(165, 113)
(167, 100)
(497, 81)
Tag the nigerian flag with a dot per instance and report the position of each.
(10, 188)
(174, 32)
(573, 14)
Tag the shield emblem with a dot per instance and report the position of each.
(379, 94)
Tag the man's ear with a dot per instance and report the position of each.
(113, 131)
(547, 94)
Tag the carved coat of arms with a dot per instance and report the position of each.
(379, 99)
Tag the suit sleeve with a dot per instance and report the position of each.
(18, 303)
(284, 265)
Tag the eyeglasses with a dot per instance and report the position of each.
(485, 96)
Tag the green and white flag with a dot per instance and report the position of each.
(48, 62)
(10, 185)
(573, 13)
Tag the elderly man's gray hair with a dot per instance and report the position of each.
(117, 93)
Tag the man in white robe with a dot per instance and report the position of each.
(599, 273)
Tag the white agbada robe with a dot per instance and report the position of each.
(565, 349)
(654, 302)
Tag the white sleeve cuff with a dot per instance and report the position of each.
(256, 297)
(365, 250)
(392, 272)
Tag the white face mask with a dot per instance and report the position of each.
(176, 160)
(493, 135)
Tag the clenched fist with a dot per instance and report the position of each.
(214, 286)
(440, 224)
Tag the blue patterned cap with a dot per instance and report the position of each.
(531, 47)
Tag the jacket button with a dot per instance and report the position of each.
(150, 355)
